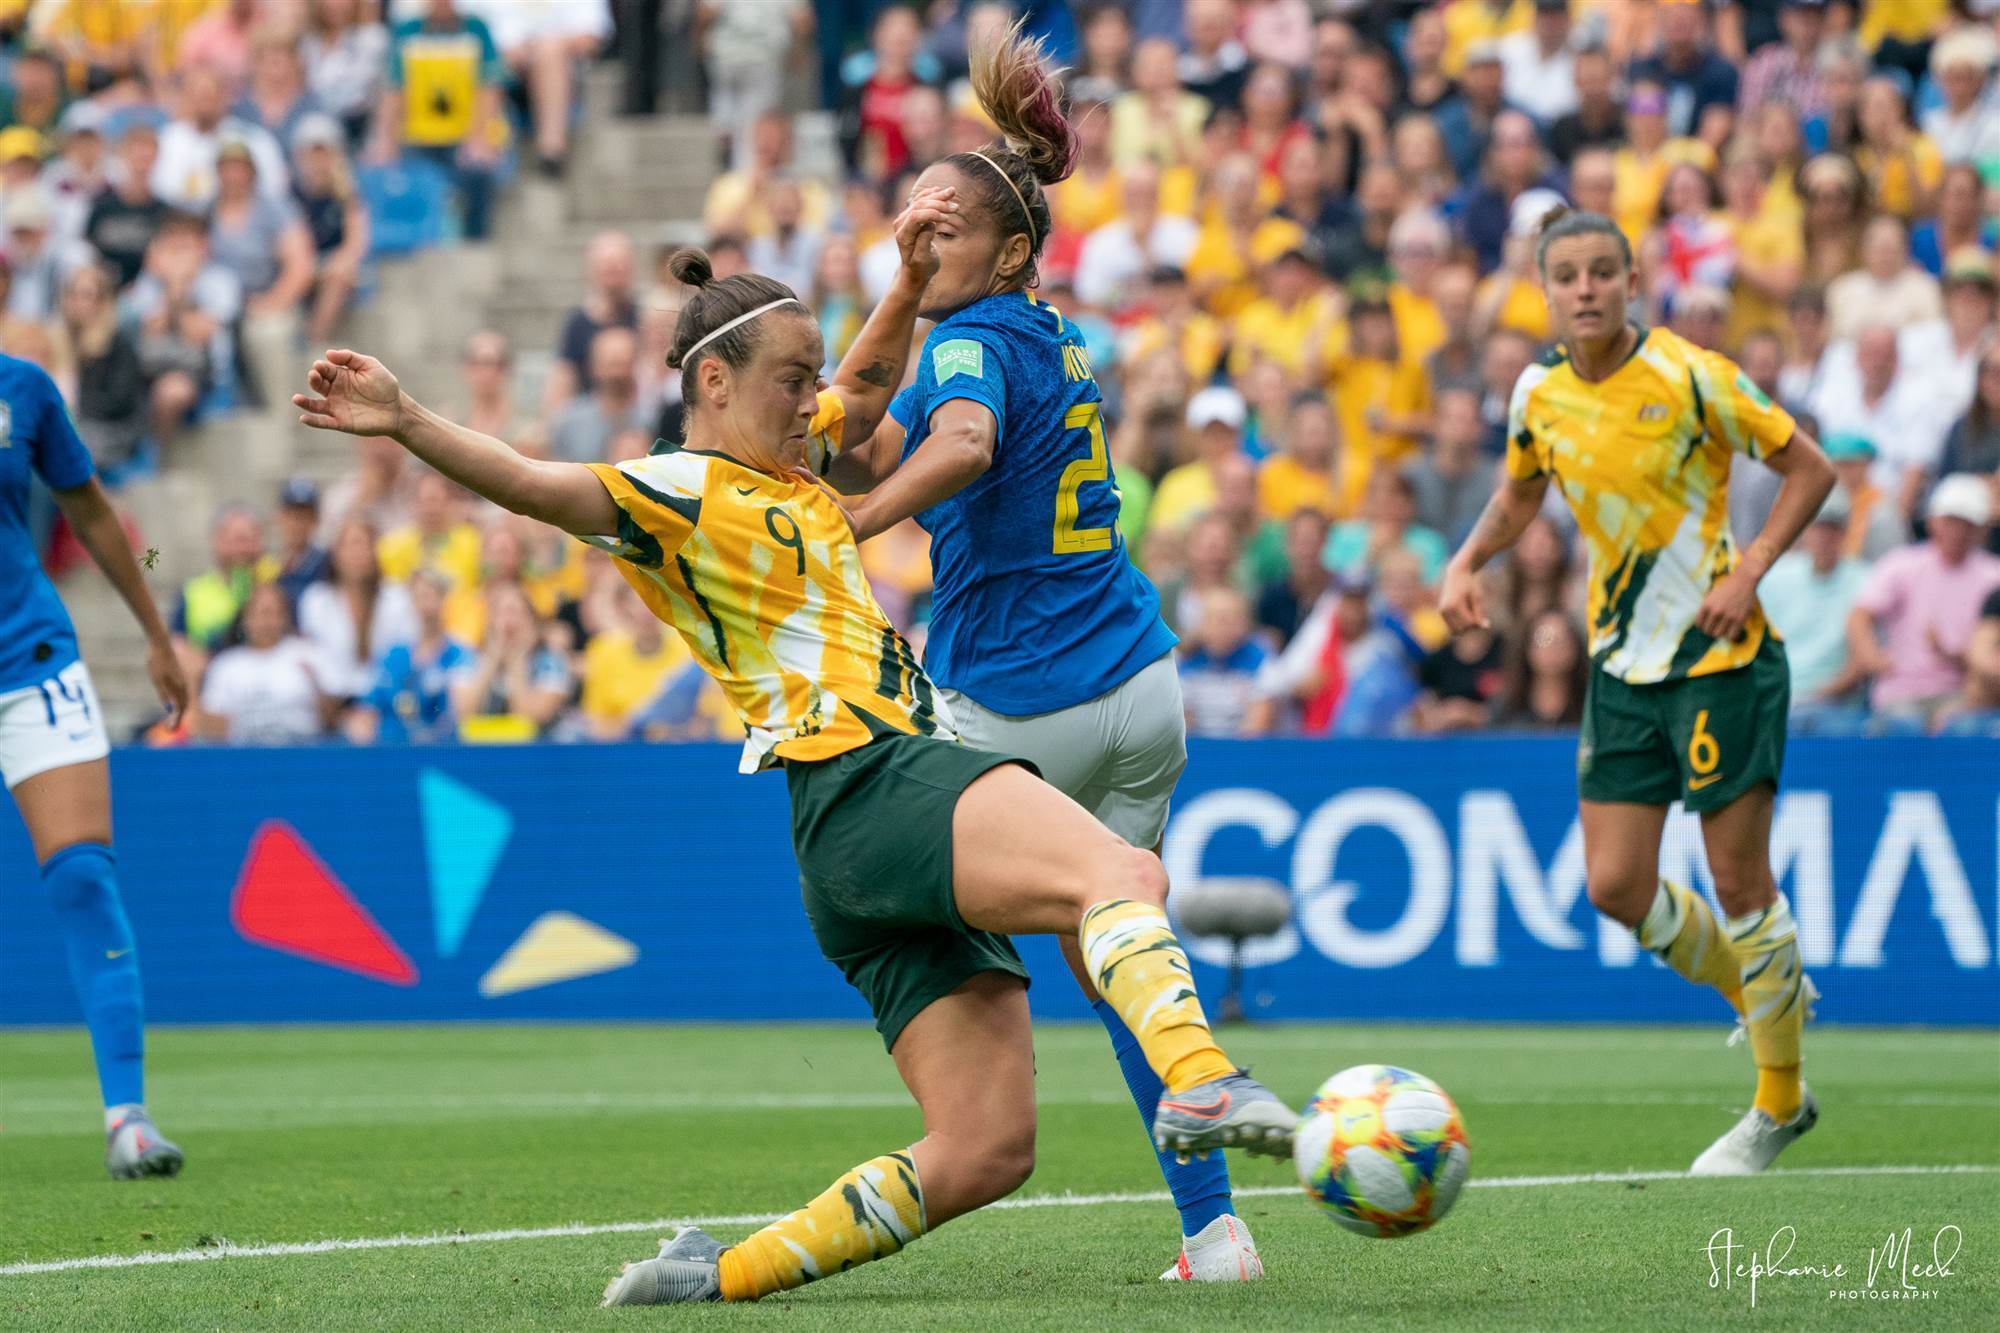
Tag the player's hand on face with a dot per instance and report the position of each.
(1727, 607)
(916, 229)
(348, 391)
(1461, 600)
(170, 682)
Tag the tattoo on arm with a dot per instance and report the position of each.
(1489, 532)
(881, 374)
(1513, 506)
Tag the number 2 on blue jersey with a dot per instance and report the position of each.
(1069, 538)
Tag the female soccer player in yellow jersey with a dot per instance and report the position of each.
(917, 855)
(1636, 428)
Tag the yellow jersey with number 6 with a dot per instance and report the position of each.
(1643, 459)
(761, 576)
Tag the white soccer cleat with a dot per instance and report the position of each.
(1756, 1140)
(687, 1269)
(1223, 1252)
(134, 1149)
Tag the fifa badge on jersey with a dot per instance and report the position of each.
(1653, 412)
(1751, 391)
(960, 356)
(6, 426)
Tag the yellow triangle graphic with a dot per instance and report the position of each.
(559, 946)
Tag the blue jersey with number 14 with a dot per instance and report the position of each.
(1037, 605)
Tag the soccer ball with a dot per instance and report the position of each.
(1382, 1150)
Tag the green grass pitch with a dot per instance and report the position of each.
(336, 1134)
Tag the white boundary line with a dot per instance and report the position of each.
(228, 1251)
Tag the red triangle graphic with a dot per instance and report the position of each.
(286, 899)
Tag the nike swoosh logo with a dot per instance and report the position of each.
(746, 490)
(116, 953)
(79, 735)
(1213, 1111)
(1699, 783)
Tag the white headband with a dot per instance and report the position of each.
(743, 318)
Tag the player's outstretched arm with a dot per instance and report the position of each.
(1514, 505)
(96, 525)
(871, 372)
(354, 393)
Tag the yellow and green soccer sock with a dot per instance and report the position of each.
(870, 1213)
(1681, 930)
(1141, 971)
(1766, 946)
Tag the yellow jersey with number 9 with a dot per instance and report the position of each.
(762, 577)
(1643, 459)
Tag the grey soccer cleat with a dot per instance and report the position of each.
(1234, 1111)
(135, 1149)
(688, 1269)
(1755, 1141)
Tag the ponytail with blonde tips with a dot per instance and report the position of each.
(1018, 91)
(1022, 95)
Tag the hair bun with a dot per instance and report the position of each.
(690, 267)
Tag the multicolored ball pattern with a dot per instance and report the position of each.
(1381, 1150)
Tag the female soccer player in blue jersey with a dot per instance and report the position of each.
(1045, 639)
(53, 747)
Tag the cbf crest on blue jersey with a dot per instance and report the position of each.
(1037, 605)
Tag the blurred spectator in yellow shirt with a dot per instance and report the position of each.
(1215, 418)
(625, 665)
(1296, 312)
(1467, 23)
(1770, 247)
(1175, 323)
(1237, 237)
(549, 577)
(1091, 196)
(1419, 243)
(735, 204)
(1903, 167)
(438, 537)
(1378, 394)
(1899, 32)
(1510, 297)
(1157, 120)
(1304, 473)
(1641, 166)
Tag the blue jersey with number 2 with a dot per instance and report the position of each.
(1037, 605)
(36, 438)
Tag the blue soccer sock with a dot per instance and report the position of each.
(83, 888)
(1200, 1187)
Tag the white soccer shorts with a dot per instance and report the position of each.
(51, 725)
(1118, 755)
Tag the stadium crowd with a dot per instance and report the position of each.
(1300, 241)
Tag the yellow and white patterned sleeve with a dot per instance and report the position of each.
(1739, 412)
(659, 505)
(1526, 457)
(825, 437)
